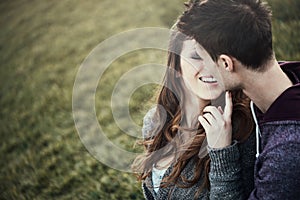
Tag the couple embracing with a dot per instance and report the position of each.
(248, 149)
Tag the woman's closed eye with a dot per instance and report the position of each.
(195, 56)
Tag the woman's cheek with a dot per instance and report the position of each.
(197, 65)
(200, 65)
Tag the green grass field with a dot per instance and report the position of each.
(42, 45)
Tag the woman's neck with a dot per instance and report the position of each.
(192, 107)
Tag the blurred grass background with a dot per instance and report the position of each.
(42, 44)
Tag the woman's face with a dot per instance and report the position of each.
(199, 79)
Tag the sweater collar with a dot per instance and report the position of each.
(162, 192)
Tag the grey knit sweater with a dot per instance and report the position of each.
(243, 154)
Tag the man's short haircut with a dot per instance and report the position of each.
(238, 28)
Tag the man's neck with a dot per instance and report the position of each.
(263, 88)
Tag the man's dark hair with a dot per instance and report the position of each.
(238, 28)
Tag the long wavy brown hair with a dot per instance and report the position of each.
(171, 99)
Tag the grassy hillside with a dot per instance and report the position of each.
(42, 45)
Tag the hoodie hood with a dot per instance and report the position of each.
(287, 105)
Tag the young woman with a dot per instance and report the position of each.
(176, 164)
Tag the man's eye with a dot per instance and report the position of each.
(195, 56)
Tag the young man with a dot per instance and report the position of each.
(237, 36)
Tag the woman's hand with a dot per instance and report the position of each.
(217, 124)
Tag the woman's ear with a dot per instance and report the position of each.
(226, 62)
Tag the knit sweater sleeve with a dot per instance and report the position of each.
(232, 169)
(225, 173)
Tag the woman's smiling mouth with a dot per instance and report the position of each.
(208, 79)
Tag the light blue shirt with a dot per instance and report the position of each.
(157, 175)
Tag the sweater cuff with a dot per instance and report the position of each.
(224, 161)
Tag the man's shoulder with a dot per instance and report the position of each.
(285, 108)
(292, 70)
(281, 134)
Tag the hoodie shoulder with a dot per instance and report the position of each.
(292, 70)
(287, 106)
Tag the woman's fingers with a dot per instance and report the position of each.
(203, 122)
(215, 112)
(209, 118)
(228, 106)
(217, 124)
(220, 109)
